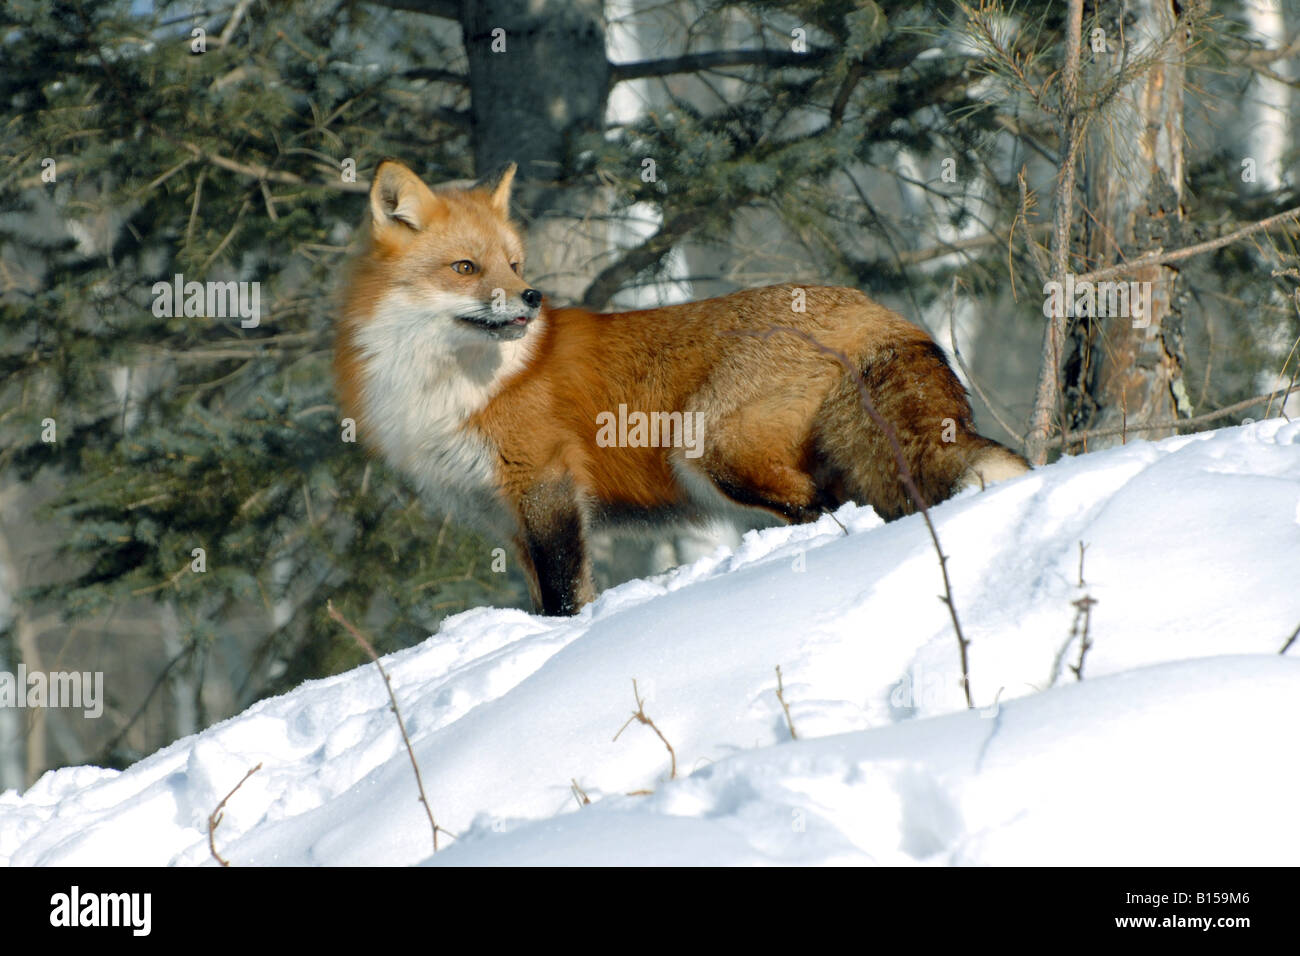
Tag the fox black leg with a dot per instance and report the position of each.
(554, 544)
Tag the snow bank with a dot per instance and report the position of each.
(1175, 748)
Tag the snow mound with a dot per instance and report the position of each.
(1173, 749)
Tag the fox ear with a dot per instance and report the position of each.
(498, 184)
(397, 195)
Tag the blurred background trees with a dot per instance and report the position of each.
(668, 151)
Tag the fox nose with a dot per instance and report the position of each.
(532, 298)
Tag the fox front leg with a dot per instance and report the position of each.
(554, 548)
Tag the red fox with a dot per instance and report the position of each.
(536, 424)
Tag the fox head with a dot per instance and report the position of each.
(451, 255)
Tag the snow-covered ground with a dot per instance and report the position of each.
(1177, 746)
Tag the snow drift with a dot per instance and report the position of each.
(1175, 747)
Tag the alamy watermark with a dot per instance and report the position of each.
(60, 689)
(75, 908)
(651, 430)
(208, 300)
(930, 689)
(1100, 300)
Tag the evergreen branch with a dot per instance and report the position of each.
(263, 173)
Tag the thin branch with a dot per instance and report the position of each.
(712, 59)
(780, 695)
(1036, 254)
(263, 173)
(1290, 640)
(233, 23)
(447, 9)
(1159, 258)
(1177, 422)
(214, 818)
(610, 279)
(1082, 620)
(640, 716)
(401, 724)
(841, 102)
(970, 376)
(904, 475)
(436, 73)
(185, 652)
(1262, 55)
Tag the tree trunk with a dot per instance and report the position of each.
(534, 88)
(1127, 369)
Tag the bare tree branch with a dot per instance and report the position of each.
(610, 279)
(447, 9)
(1177, 422)
(1159, 258)
(712, 59)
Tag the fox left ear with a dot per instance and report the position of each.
(498, 184)
(397, 195)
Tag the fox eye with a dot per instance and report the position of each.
(464, 267)
(514, 267)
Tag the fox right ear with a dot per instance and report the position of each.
(397, 195)
(497, 185)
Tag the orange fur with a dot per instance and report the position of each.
(496, 412)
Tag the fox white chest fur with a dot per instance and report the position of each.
(422, 380)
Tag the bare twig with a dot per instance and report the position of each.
(640, 716)
(1176, 422)
(1290, 640)
(1082, 620)
(233, 23)
(780, 695)
(190, 648)
(1295, 296)
(904, 475)
(401, 725)
(578, 793)
(970, 376)
(214, 818)
(831, 515)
